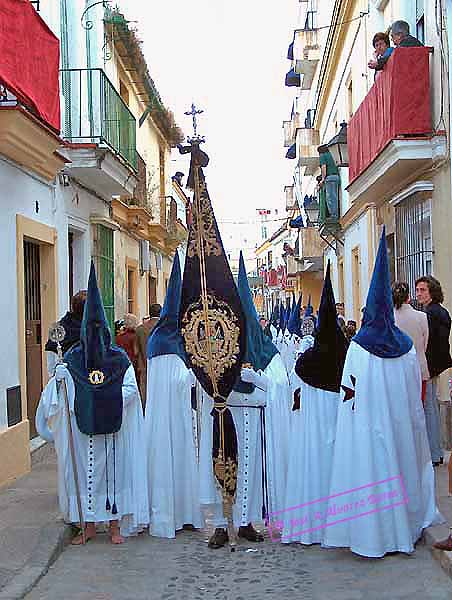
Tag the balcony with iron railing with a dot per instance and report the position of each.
(291, 201)
(306, 55)
(390, 137)
(290, 129)
(307, 140)
(94, 112)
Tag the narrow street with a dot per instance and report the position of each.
(184, 568)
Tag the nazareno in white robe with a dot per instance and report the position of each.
(311, 445)
(128, 485)
(173, 476)
(247, 420)
(380, 437)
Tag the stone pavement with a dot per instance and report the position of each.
(186, 569)
(32, 535)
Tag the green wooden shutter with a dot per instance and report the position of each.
(103, 257)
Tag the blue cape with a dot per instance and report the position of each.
(97, 368)
(321, 366)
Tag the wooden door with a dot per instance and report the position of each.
(33, 338)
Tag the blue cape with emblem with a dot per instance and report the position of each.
(97, 368)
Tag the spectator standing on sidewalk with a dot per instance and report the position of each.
(72, 322)
(143, 332)
(414, 323)
(430, 295)
(127, 339)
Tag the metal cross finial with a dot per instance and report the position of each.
(193, 112)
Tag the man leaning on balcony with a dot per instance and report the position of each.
(400, 34)
(329, 181)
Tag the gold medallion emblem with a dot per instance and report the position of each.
(224, 336)
(96, 377)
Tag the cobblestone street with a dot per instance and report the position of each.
(184, 568)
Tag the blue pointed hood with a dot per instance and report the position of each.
(282, 315)
(97, 368)
(294, 324)
(274, 319)
(287, 313)
(321, 366)
(379, 334)
(309, 309)
(166, 337)
(259, 348)
(95, 336)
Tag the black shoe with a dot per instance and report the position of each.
(250, 534)
(219, 539)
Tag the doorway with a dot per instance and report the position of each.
(152, 291)
(33, 328)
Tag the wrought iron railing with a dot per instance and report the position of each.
(94, 112)
(140, 193)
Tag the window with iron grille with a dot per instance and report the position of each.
(420, 23)
(413, 243)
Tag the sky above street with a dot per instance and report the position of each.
(229, 57)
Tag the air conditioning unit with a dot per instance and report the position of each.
(158, 261)
(145, 256)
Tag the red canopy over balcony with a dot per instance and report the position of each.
(29, 60)
(397, 105)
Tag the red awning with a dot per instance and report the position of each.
(29, 60)
(398, 104)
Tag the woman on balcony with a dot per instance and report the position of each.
(383, 51)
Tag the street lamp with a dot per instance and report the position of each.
(338, 146)
(312, 209)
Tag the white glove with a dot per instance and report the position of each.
(258, 379)
(60, 372)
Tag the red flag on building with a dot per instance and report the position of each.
(29, 60)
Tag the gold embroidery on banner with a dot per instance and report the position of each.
(224, 341)
(226, 474)
(206, 221)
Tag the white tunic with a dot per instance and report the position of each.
(172, 461)
(381, 447)
(311, 446)
(127, 477)
(248, 423)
